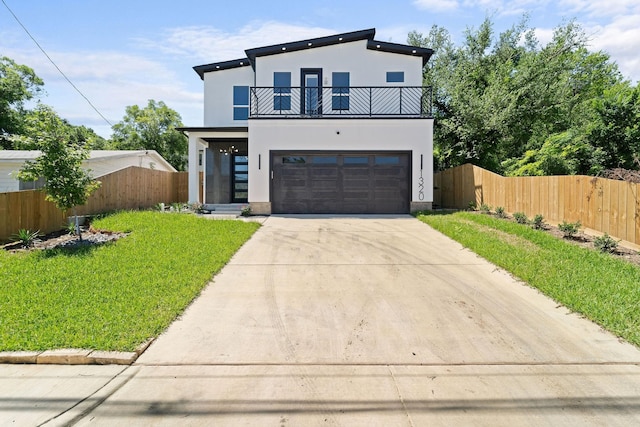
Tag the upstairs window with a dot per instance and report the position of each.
(281, 91)
(340, 91)
(395, 76)
(240, 102)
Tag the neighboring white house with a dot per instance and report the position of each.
(100, 162)
(337, 124)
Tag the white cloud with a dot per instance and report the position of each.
(436, 5)
(599, 8)
(111, 80)
(210, 44)
(617, 38)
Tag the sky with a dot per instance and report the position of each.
(120, 53)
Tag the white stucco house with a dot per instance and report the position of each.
(100, 163)
(337, 124)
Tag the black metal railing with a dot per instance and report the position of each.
(297, 102)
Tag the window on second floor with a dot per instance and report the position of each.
(240, 102)
(340, 91)
(281, 90)
(395, 76)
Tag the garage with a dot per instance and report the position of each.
(340, 182)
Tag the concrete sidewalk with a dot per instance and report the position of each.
(353, 321)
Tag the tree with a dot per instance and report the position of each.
(60, 163)
(510, 105)
(152, 128)
(615, 128)
(18, 83)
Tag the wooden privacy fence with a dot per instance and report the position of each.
(601, 204)
(130, 188)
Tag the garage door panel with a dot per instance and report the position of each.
(340, 182)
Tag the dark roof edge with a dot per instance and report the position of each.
(367, 34)
(219, 66)
(213, 129)
(403, 49)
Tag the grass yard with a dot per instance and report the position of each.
(115, 296)
(600, 287)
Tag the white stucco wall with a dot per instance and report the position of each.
(366, 67)
(218, 95)
(415, 135)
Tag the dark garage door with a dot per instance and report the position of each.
(340, 182)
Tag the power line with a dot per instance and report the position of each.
(55, 65)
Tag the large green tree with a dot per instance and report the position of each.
(512, 105)
(152, 128)
(18, 83)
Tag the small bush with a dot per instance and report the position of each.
(485, 209)
(520, 217)
(605, 244)
(472, 206)
(500, 213)
(246, 211)
(569, 229)
(538, 222)
(26, 237)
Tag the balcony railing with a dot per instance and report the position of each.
(297, 102)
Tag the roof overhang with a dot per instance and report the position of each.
(402, 49)
(335, 39)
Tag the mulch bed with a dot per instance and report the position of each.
(62, 239)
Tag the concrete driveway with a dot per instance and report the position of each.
(364, 321)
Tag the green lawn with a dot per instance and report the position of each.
(599, 286)
(116, 296)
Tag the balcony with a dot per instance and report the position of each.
(348, 102)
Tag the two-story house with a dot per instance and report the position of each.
(337, 124)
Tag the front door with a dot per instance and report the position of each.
(240, 178)
(311, 97)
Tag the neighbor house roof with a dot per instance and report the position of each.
(280, 48)
(15, 156)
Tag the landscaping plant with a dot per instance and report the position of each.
(538, 222)
(605, 243)
(485, 209)
(569, 229)
(520, 217)
(26, 237)
(500, 212)
(67, 184)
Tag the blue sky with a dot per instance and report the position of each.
(122, 53)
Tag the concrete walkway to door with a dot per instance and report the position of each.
(373, 320)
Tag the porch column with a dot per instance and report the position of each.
(194, 193)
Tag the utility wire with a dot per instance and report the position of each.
(55, 65)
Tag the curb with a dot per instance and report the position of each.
(73, 356)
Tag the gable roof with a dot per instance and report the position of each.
(20, 156)
(280, 48)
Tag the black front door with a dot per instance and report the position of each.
(311, 96)
(239, 178)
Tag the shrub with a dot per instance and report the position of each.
(538, 222)
(485, 209)
(500, 212)
(26, 237)
(605, 243)
(569, 229)
(472, 206)
(246, 211)
(520, 217)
